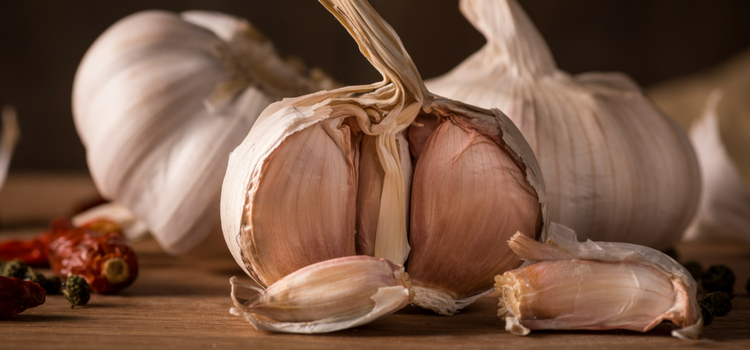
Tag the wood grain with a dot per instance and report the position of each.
(183, 303)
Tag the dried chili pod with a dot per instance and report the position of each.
(77, 291)
(105, 259)
(32, 251)
(18, 295)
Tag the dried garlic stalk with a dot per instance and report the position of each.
(595, 286)
(329, 174)
(325, 297)
(159, 101)
(615, 168)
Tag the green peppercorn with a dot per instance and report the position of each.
(15, 268)
(77, 290)
(695, 269)
(36, 277)
(708, 314)
(672, 253)
(719, 302)
(718, 278)
(53, 285)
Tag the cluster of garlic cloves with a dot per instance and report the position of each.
(595, 286)
(8, 140)
(388, 170)
(159, 100)
(615, 168)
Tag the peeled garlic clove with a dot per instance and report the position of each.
(325, 297)
(596, 286)
(160, 99)
(8, 140)
(470, 195)
(615, 168)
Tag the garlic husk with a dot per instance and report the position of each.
(340, 146)
(131, 227)
(8, 140)
(567, 284)
(325, 297)
(615, 168)
(724, 210)
(159, 100)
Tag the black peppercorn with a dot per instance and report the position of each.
(718, 278)
(719, 302)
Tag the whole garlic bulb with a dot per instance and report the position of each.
(161, 99)
(329, 174)
(615, 168)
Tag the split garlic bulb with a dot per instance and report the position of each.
(329, 175)
(596, 286)
(615, 168)
(161, 99)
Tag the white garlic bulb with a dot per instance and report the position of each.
(8, 140)
(329, 174)
(161, 99)
(615, 168)
(724, 210)
(596, 286)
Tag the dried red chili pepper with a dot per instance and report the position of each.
(18, 295)
(31, 251)
(96, 251)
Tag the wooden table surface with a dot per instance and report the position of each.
(183, 303)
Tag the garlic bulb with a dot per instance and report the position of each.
(615, 168)
(725, 202)
(596, 286)
(326, 297)
(159, 101)
(329, 174)
(8, 140)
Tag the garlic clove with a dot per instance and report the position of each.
(8, 139)
(596, 286)
(325, 297)
(310, 176)
(132, 228)
(615, 168)
(470, 195)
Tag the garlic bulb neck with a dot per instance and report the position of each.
(512, 38)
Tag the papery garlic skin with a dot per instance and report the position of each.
(365, 140)
(615, 168)
(159, 100)
(595, 286)
(327, 296)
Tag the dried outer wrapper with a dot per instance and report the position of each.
(632, 262)
(325, 297)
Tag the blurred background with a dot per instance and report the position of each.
(42, 42)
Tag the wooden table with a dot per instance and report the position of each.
(183, 303)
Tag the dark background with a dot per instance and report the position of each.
(41, 43)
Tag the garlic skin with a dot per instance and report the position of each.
(724, 210)
(595, 286)
(348, 171)
(160, 99)
(615, 168)
(8, 140)
(327, 296)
